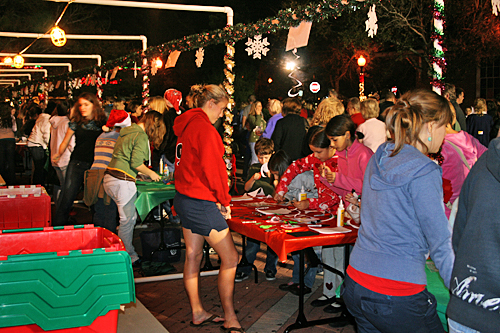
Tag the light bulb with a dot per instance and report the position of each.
(58, 36)
(18, 61)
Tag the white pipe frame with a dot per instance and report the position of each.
(152, 5)
(51, 64)
(142, 38)
(58, 56)
(23, 70)
(11, 81)
(13, 75)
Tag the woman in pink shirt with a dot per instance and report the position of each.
(352, 161)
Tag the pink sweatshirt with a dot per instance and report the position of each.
(454, 169)
(352, 163)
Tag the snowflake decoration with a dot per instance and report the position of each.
(371, 23)
(495, 4)
(200, 53)
(257, 46)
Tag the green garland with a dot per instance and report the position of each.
(285, 19)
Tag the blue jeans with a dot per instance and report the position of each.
(309, 274)
(105, 215)
(253, 246)
(455, 327)
(39, 158)
(61, 175)
(75, 174)
(376, 312)
(7, 160)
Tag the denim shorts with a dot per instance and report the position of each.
(199, 216)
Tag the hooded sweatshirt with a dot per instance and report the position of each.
(58, 128)
(40, 135)
(475, 288)
(402, 218)
(454, 168)
(131, 150)
(200, 171)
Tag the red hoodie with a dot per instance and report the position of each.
(200, 171)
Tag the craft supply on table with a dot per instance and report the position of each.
(335, 230)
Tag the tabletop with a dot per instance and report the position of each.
(151, 194)
(282, 237)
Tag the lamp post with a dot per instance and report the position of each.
(361, 64)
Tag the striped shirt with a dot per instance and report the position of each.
(104, 147)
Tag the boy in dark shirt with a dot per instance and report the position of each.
(264, 148)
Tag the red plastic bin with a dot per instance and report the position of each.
(24, 207)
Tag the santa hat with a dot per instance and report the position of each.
(117, 118)
(174, 97)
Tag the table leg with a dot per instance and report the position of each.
(302, 321)
(244, 262)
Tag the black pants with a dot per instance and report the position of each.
(7, 160)
(39, 159)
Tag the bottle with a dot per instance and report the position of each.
(303, 194)
(161, 166)
(340, 213)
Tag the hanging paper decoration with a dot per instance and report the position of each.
(298, 36)
(172, 59)
(437, 57)
(145, 83)
(200, 53)
(291, 76)
(257, 46)
(228, 116)
(371, 23)
(495, 4)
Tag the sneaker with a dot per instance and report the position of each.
(240, 276)
(333, 308)
(286, 286)
(322, 301)
(295, 289)
(270, 276)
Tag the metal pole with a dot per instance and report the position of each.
(12, 75)
(58, 56)
(44, 71)
(153, 5)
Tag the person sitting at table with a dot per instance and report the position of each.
(352, 157)
(264, 149)
(85, 125)
(103, 208)
(202, 201)
(130, 153)
(327, 200)
(402, 221)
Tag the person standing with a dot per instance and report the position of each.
(202, 202)
(451, 95)
(475, 289)
(85, 125)
(7, 145)
(38, 142)
(402, 221)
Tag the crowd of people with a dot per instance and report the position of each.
(407, 156)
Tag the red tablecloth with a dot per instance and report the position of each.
(280, 241)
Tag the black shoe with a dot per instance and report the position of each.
(322, 302)
(270, 276)
(333, 308)
(137, 263)
(286, 286)
(296, 289)
(240, 276)
(343, 320)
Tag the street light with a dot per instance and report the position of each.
(361, 64)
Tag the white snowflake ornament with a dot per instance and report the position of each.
(200, 53)
(371, 23)
(257, 46)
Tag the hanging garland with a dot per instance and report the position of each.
(437, 56)
(228, 115)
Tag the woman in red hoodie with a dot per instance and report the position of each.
(202, 202)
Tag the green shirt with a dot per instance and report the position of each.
(131, 150)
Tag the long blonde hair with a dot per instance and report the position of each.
(327, 109)
(154, 127)
(413, 110)
(253, 108)
(158, 103)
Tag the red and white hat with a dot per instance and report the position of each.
(174, 97)
(117, 118)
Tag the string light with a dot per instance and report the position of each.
(58, 36)
(18, 61)
(7, 61)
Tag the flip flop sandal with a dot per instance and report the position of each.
(232, 329)
(208, 321)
